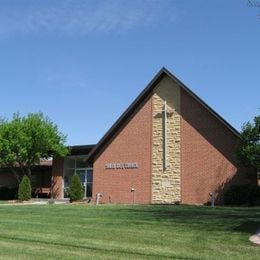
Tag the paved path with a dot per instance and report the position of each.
(31, 203)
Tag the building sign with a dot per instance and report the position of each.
(121, 165)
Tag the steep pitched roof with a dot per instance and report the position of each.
(147, 90)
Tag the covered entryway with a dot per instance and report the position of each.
(86, 177)
(78, 165)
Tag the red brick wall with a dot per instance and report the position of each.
(131, 144)
(57, 178)
(208, 154)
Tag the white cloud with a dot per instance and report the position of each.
(81, 17)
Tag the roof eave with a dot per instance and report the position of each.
(142, 96)
(134, 104)
(211, 110)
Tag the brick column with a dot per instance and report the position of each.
(57, 178)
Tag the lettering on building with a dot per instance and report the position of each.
(131, 165)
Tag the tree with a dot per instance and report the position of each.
(25, 189)
(249, 147)
(75, 189)
(24, 141)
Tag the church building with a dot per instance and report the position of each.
(167, 147)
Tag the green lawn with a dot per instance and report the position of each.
(127, 232)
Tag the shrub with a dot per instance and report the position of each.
(75, 189)
(25, 189)
(241, 195)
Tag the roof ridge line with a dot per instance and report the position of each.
(163, 71)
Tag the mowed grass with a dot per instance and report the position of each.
(127, 232)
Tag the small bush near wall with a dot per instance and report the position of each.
(239, 195)
(75, 189)
(25, 189)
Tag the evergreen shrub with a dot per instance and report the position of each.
(25, 189)
(75, 189)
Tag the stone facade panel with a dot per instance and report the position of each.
(166, 181)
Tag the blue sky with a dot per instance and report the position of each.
(83, 62)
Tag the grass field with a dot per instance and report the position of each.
(127, 232)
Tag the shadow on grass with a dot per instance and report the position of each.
(95, 248)
(248, 226)
(245, 220)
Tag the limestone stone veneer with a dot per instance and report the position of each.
(166, 181)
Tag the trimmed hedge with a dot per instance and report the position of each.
(25, 189)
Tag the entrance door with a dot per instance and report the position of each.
(86, 177)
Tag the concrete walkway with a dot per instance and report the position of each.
(33, 202)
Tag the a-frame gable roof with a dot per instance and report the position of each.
(140, 98)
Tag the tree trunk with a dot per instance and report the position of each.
(29, 172)
(16, 175)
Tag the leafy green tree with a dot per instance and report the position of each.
(24, 141)
(249, 147)
(25, 189)
(75, 189)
